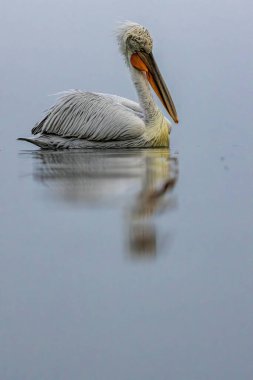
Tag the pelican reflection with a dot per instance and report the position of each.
(141, 179)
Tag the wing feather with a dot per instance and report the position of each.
(93, 116)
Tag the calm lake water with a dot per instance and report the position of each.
(128, 264)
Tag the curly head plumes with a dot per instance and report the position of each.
(133, 37)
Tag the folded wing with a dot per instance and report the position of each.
(94, 117)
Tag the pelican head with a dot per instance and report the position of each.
(136, 44)
(133, 37)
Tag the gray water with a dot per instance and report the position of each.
(128, 265)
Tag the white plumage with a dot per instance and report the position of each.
(93, 120)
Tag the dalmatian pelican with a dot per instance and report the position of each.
(95, 120)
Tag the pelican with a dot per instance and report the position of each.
(95, 120)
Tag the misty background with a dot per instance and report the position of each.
(76, 300)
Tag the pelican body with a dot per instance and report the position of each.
(94, 120)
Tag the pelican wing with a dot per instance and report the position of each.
(93, 116)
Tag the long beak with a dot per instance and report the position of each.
(146, 62)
